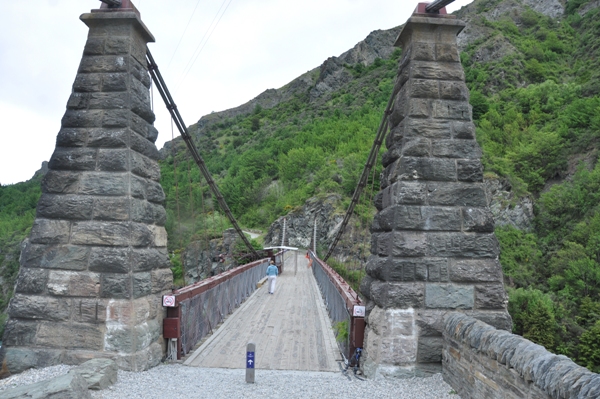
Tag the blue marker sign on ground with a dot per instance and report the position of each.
(250, 360)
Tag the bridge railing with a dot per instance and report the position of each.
(199, 308)
(343, 305)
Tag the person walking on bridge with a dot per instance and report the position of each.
(272, 273)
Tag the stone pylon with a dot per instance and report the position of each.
(95, 263)
(433, 244)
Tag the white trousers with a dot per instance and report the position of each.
(272, 280)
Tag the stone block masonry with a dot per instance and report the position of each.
(480, 361)
(433, 248)
(95, 264)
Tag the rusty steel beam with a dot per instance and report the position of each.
(437, 5)
(112, 3)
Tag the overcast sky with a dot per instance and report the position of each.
(256, 45)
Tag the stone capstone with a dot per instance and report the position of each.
(480, 361)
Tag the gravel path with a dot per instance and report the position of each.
(32, 376)
(178, 381)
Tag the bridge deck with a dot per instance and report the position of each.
(291, 329)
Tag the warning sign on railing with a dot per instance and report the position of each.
(169, 301)
(359, 311)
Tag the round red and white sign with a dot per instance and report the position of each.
(169, 301)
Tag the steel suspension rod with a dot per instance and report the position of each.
(362, 182)
(187, 138)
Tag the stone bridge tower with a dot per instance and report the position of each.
(95, 263)
(433, 244)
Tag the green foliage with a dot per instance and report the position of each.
(177, 269)
(241, 252)
(589, 348)
(352, 277)
(573, 5)
(533, 315)
(272, 160)
(341, 331)
(537, 112)
(519, 255)
(480, 104)
(3, 317)
(571, 208)
(17, 212)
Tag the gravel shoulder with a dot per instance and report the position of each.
(179, 381)
(175, 380)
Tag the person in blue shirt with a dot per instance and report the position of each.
(272, 273)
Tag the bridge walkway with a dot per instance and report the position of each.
(291, 328)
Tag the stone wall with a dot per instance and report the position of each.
(480, 361)
(433, 245)
(95, 264)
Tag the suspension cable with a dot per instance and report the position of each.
(183, 34)
(199, 49)
(177, 196)
(176, 182)
(191, 199)
(187, 138)
(362, 182)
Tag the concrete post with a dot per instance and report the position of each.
(95, 264)
(433, 245)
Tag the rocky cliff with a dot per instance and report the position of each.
(206, 258)
(316, 83)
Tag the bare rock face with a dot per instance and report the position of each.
(506, 208)
(300, 223)
(95, 263)
(202, 259)
(550, 8)
(588, 7)
(475, 30)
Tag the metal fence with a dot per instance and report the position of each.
(200, 307)
(201, 313)
(340, 300)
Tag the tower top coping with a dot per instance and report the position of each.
(428, 21)
(95, 17)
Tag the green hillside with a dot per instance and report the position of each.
(535, 92)
(537, 112)
(17, 211)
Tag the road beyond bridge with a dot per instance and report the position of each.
(291, 329)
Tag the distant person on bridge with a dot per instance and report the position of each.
(272, 273)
